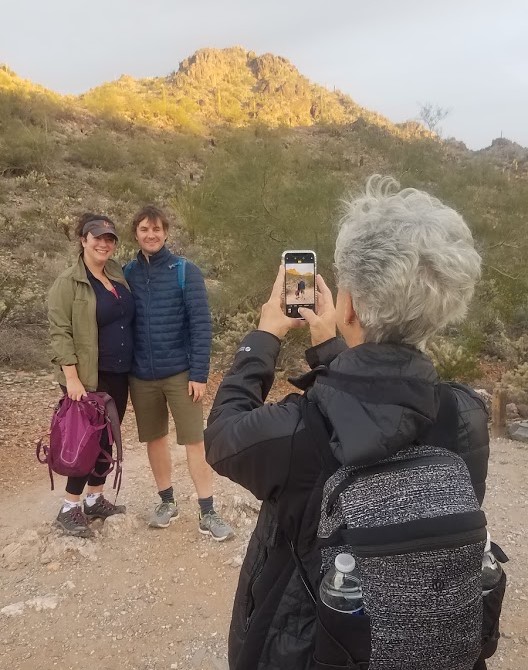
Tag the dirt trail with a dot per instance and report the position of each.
(150, 599)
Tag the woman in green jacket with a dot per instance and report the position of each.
(90, 311)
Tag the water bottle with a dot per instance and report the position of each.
(340, 589)
(491, 569)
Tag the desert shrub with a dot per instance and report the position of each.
(125, 186)
(25, 149)
(291, 359)
(228, 331)
(452, 360)
(144, 156)
(515, 383)
(12, 234)
(177, 149)
(101, 150)
(31, 182)
(23, 349)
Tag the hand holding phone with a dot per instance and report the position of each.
(300, 269)
(323, 324)
(272, 317)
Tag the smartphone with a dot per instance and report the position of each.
(299, 281)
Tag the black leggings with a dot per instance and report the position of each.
(116, 385)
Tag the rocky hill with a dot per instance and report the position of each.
(232, 86)
(249, 157)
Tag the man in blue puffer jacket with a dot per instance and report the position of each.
(172, 343)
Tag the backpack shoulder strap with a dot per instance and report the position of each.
(115, 427)
(320, 431)
(127, 270)
(444, 431)
(180, 270)
(180, 265)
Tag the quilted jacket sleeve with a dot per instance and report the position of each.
(324, 353)
(200, 327)
(246, 440)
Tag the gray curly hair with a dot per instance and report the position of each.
(407, 260)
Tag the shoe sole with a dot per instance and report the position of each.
(92, 517)
(81, 533)
(163, 525)
(216, 539)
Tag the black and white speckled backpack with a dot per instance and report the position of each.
(415, 528)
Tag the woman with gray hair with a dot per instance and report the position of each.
(406, 267)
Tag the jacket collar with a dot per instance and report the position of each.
(378, 399)
(157, 259)
(111, 270)
(79, 272)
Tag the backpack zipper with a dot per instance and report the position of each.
(426, 544)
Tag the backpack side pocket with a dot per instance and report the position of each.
(347, 646)
(492, 606)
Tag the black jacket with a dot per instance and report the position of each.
(376, 398)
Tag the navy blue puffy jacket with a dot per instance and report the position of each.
(172, 331)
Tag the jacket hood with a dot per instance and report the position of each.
(378, 398)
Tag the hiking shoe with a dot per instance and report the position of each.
(163, 514)
(73, 522)
(102, 509)
(212, 524)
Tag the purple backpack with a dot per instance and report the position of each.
(75, 433)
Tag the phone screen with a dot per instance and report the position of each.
(299, 280)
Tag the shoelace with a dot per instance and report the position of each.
(163, 506)
(214, 516)
(105, 504)
(77, 516)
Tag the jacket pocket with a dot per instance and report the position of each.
(491, 610)
(341, 640)
(258, 566)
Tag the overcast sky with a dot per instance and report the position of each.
(467, 55)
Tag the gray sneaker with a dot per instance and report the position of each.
(163, 514)
(212, 524)
(73, 522)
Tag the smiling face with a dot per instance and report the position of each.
(97, 250)
(151, 236)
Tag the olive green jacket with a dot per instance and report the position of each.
(73, 323)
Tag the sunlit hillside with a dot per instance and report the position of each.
(232, 86)
(250, 158)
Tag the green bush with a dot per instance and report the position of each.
(125, 186)
(25, 149)
(101, 150)
(452, 360)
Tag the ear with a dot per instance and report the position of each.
(83, 241)
(349, 313)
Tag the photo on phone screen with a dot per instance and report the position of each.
(299, 289)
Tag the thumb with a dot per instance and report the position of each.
(308, 315)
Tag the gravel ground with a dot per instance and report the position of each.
(150, 599)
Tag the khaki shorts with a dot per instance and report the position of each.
(150, 400)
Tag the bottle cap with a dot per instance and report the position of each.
(345, 563)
